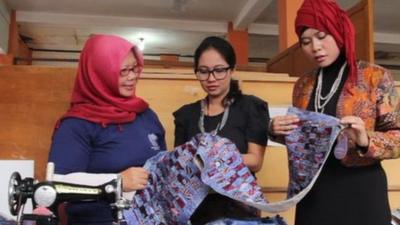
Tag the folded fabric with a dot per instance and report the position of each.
(223, 170)
(174, 188)
(309, 146)
(180, 179)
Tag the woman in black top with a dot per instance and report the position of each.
(230, 114)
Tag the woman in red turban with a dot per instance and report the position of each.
(351, 189)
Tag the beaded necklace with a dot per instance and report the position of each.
(220, 125)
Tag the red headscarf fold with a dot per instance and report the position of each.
(327, 16)
(95, 96)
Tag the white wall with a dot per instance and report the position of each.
(4, 26)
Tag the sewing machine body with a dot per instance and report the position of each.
(58, 189)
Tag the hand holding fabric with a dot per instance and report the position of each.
(355, 130)
(134, 178)
(283, 125)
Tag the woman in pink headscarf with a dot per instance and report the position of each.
(107, 129)
(352, 189)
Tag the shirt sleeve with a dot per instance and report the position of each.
(258, 119)
(180, 134)
(70, 147)
(384, 142)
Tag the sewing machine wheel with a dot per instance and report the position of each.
(13, 193)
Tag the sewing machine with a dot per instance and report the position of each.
(57, 189)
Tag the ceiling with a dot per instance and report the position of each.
(175, 26)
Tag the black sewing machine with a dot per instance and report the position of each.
(58, 189)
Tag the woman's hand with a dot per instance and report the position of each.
(134, 178)
(355, 129)
(283, 125)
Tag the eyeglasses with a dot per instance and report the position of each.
(125, 71)
(219, 73)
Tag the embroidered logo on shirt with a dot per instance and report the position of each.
(154, 142)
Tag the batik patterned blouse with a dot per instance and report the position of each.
(375, 100)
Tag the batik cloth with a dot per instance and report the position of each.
(309, 146)
(223, 170)
(174, 188)
(6, 221)
(180, 179)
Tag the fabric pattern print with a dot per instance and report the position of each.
(309, 146)
(174, 189)
(225, 172)
(180, 179)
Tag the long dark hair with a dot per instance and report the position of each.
(224, 48)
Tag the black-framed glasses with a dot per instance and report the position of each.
(219, 73)
(125, 71)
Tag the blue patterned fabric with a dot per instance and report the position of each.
(225, 172)
(177, 185)
(309, 146)
(182, 178)
(174, 190)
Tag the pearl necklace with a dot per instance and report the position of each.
(318, 106)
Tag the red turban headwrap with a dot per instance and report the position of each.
(96, 96)
(327, 16)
